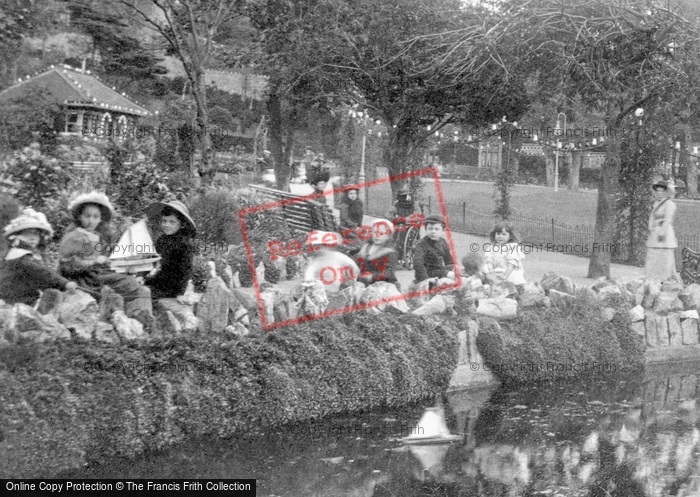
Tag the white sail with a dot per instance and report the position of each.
(431, 429)
(135, 251)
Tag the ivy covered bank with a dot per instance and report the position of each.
(65, 403)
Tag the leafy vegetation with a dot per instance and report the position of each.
(103, 401)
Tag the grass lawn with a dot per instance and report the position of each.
(574, 208)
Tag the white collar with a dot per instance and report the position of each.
(16, 253)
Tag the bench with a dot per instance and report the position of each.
(305, 216)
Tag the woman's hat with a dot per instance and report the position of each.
(404, 191)
(324, 176)
(434, 219)
(27, 220)
(155, 211)
(667, 185)
(97, 198)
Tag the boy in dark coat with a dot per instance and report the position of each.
(176, 248)
(23, 275)
(432, 257)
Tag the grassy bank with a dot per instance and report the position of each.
(67, 403)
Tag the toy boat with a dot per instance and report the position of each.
(135, 252)
(431, 429)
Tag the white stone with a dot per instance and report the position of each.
(689, 330)
(690, 296)
(560, 298)
(127, 328)
(608, 313)
(498, 308)
(674, 329)
(636, 313)
(691, 314)
(78, 312)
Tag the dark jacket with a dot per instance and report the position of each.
(351, 213)
(21, 280)
(385, 258)
(177, 255)
(432, 259)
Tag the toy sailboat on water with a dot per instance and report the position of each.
(135, 252)
(431, 429)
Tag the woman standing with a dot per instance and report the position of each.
(662, 243)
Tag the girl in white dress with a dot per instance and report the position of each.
(503, 258)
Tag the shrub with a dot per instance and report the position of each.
(40, 177)
(89, 403)
(545, 344)
(272, 272)
(216, 213)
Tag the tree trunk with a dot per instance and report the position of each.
(280, 142)
(605, 218)
(398, 158)
(691, 172)
(202, 121)
(575, 172)
(549, 169)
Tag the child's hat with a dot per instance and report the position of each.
(434, 219)
(97, 198)
(155, 211)
(27, 220)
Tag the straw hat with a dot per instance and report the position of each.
(383, 226)
(97, 198)
(154, 212)
(667, 185)
(27, 220)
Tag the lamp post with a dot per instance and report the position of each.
(363, 116)
(558, 132)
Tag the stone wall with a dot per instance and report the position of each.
(664, 315)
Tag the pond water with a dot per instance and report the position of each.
(610, 436)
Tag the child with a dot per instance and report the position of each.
(377, 258)
(83, 256)
(503, 262)
(403, 206)
(351, 210)
(22, 275)
(176, 248)
(318, 181)
(471, 264)
(432, 257)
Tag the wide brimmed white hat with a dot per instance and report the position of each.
(97, 198)
(155, 211)
(27, 220)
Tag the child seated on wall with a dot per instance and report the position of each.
(503, 261)
(23, 275)
(377, 257)
(432, 258)
(176, 248)
(83, 256)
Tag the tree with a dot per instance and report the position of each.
(189, 28)
(614, 56)
(386, 50)
(29, 118)
(123, 60)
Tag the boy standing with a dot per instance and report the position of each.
(432, 257)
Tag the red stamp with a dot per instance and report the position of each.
(325, 248)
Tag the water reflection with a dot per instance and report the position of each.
(614, 436)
